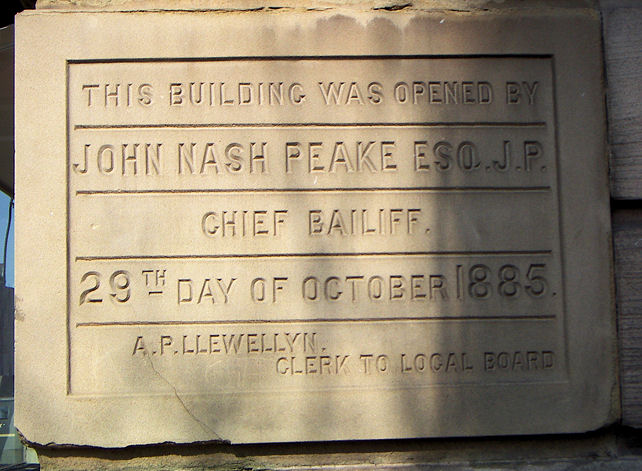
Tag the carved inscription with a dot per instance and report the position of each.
(313, 223)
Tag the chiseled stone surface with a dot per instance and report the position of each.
(311, 226)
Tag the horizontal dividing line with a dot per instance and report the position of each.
(427, 124)
(482, 382)
(308, 58)
(542, 317)
(87, 258)
(424, 189)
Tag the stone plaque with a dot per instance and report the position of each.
(267, 227)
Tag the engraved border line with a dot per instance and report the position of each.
(426, 189)
(112, 60)
(560, 219)
(67, 231)
(426, 124)
(88, 258)
(539, 317)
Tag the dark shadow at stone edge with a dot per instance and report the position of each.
(10, 8)
(604, 443)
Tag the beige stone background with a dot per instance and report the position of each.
(617, 447)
